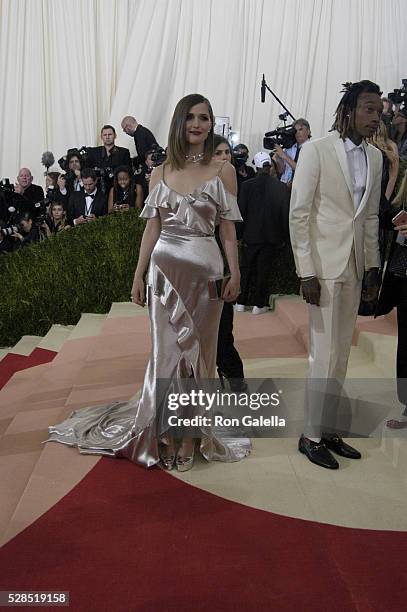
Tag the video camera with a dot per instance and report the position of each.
(283, 136)
(240, 156)
(158, 156)
(10, 202)
(398, 96)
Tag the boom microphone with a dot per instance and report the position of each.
(263, 89)
(47, 159)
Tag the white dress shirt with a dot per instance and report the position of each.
(357, 164)
(88, 203)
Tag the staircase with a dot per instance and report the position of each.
(103, 359)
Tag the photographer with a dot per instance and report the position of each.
(243, 171)
(154, 157)
(108, 157)
(25, 187)
(53, 183)
(286, 159)
(144, 139)
(399, 131)
(27, 230)
(71, 181)
(124, 194)
(87, 205)
(6, 243)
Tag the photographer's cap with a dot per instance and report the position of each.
(262, 158)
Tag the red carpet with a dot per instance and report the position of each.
(12, 363)
(127, 539)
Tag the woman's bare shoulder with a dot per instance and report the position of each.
(227, 175)
(156, 176)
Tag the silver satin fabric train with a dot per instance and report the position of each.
(184, 329)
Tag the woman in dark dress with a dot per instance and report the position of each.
(394, 293)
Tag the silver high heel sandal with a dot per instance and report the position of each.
(167, 461)
(185, 463)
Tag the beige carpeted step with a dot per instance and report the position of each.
(26, 345)
(125, 309)
(55, 338)
(87, 326)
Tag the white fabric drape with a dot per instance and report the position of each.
(67, 68)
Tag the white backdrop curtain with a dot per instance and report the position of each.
(67, 68)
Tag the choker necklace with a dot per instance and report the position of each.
(194, 158)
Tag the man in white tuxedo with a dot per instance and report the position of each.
(334, 235)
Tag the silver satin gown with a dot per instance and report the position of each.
(184, 329)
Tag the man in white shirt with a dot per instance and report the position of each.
(87, 205)
(334, 235)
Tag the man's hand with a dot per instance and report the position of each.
(91, 217)
(80, 220)
(17, 236)
(18, 188)
(61, 182)
(311, 290)
(280, 152)
(371, 284)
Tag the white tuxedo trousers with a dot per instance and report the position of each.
(331, 327)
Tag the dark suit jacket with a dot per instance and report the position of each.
(34, 194)
(264, 204)
(77, 205)
(119, 156)
(144, 140)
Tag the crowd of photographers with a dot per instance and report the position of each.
(103, 180)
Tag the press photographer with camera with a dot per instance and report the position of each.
(125, 193)
(399, 130)
(71, 181)
(108, 157)
(26, 188)
(144, 139)
(87, 205)
(6, 243)
(154, 157)
(243, 171)
(27, 230)
(286, 159)
(53, 180)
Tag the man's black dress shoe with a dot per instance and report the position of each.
(318, 453)
(338, 446)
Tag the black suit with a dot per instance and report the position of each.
(34, 194)
(77, 205)
(98, 157)
(264, 206)
(144, 140)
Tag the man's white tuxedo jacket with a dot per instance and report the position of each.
(324, 224)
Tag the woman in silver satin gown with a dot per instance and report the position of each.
(189, 195)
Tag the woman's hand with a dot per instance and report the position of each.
(402, 229)
(232, 289)
(138, 292)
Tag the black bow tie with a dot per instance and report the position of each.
(90, 195)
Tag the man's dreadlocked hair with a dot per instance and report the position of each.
(345, 113)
